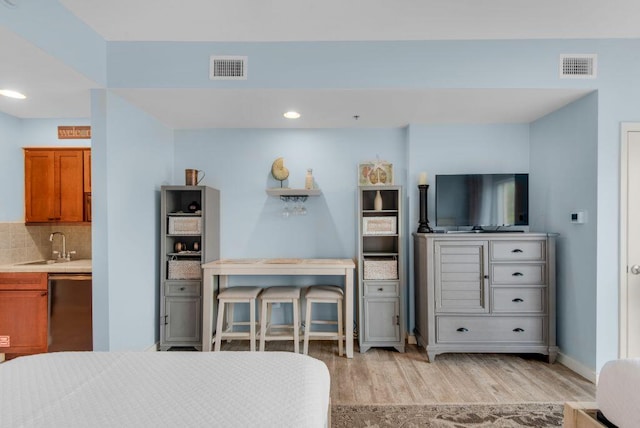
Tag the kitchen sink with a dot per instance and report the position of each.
(39, 262)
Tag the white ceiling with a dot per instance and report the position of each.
(57, 91)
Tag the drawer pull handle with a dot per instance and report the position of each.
(462, 329)
(517, 274)
(380, 289)
(518, 330)
(517, 300)
(181, 288)
(516, 250)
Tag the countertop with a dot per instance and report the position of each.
(75, 266)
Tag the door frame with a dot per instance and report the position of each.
(625, 129)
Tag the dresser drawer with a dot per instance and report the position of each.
(382, 289)
(516, 274)
(518, 300)
(490, 329)
(517, 250)
(183, 288)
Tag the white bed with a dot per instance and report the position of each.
(617, 399)
(618, 392)
(164, 389)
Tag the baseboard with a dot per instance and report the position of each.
(153, 348)
(411, 339)
(577, 367)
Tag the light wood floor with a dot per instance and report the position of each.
(385, 376)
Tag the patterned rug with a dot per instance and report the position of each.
(539, 415)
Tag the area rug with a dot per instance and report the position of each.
(539, 415)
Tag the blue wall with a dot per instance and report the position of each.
(563, 180)
(238, 162)
(11, 169)
(134, 155)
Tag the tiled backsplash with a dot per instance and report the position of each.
(20, 243)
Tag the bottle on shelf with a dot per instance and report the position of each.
(377, 202)
(308, 181)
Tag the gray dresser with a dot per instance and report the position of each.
(485, 292)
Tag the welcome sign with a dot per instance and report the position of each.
(73, 132)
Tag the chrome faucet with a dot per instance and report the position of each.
(64, 244)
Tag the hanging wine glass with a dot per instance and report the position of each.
(285, 210)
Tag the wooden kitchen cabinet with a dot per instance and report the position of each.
(55, 184)
(23, 313)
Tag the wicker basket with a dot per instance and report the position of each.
(379, 225)
(184, 269)
(380, 269)
(185, 225)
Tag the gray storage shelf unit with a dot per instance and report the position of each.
(381, 277)
(188, 239)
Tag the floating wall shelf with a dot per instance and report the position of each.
(287, 194)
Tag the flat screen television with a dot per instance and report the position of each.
(482, 200)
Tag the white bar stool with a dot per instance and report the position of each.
(323, 294)
(230, 296)
(270, 331)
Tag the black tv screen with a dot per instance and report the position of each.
(480, 200)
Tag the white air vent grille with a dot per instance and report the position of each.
(228, 68)
(578, 66)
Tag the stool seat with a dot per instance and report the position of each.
(324, 291)
(281, 293)
(239, 292)
(228, 297)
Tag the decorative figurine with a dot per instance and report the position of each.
(279, 171)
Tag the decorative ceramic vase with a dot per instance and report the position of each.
(377, 202)
(308, 181)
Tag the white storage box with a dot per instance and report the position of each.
(379, 225)
(380, 269)
(184, 269)
(185, 225)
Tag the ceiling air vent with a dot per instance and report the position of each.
(578, 66)
(228, 68)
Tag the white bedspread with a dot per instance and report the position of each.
(618, 392)
(164, 389)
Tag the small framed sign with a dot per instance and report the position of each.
(375, 173)
(74, 132)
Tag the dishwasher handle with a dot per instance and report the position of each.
(72, 277)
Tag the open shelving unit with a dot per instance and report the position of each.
(190, 236)
(381, 281)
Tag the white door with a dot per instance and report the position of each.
(630, 279)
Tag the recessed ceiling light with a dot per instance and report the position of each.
(12, 94)
(292, 115)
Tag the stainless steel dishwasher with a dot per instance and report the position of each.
(70, 312)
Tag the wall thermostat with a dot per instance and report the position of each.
(578, 217)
